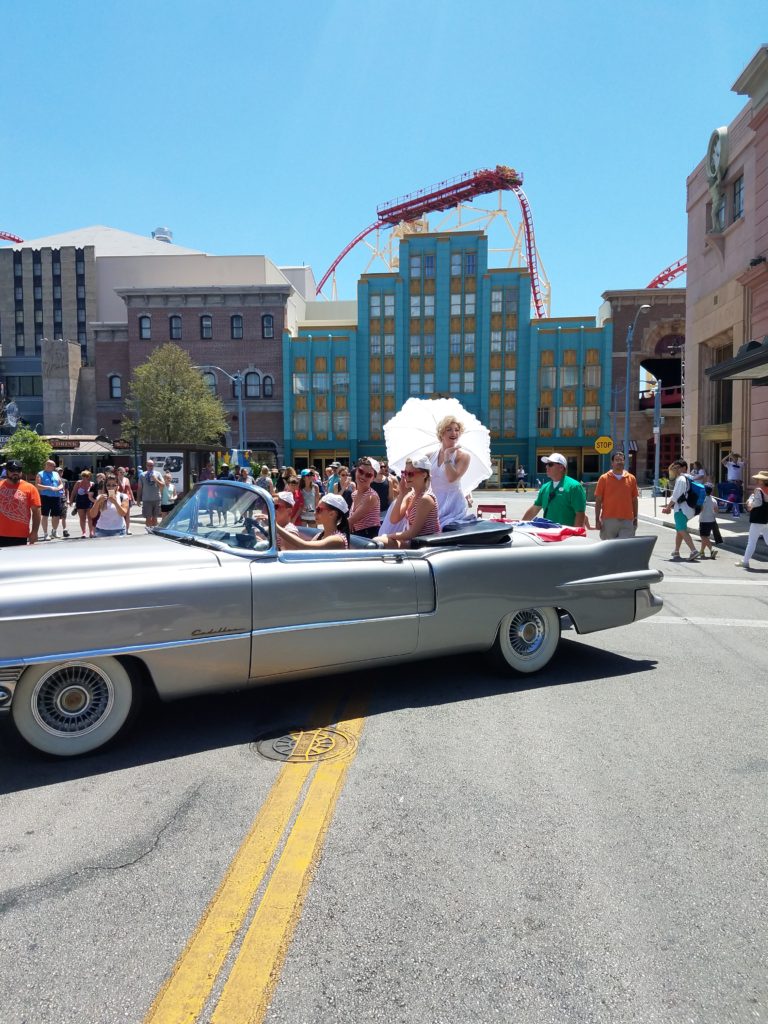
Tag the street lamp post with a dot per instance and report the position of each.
(237, 379)
(630, 334)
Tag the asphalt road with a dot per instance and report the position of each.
(588, 846)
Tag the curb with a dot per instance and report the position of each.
(737, 545)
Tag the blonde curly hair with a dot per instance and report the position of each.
(445, 422)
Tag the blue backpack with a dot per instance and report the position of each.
(695, 495)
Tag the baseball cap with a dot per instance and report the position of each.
(306, 472)
(421, 463)
(335, 501)
(286, 497)
(373, 463)
(13, 466)
(556, 457)
(335, 465)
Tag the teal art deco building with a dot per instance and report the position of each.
(445, 323)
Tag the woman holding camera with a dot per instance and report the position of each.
(110, 509)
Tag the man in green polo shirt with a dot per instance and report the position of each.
(561, 498)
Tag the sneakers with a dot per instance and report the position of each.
(713, 553)
(675, 556)
(65, 533)
(54, 535)
(694, 556)
(742, 564)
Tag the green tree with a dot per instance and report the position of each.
(30, 449)
(170, 402)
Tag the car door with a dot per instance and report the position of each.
(316, 609)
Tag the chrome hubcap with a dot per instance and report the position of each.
(526, 633)
(72, 699)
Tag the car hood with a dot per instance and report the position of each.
(103, 555)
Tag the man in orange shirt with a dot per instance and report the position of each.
(616, 497)
(18, 502)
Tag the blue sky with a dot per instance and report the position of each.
(278, 128)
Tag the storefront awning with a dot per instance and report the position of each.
(750, 363)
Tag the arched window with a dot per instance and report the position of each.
(145, 328)
(115, 385)
(210, 380)
(252, 385)
(206, 327)
(174, 328)
(236, 327)
(267, 326)
(268, 387)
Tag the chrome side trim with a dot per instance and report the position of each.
(641, 578)
(107, 652)
(92, 611)
(332, 624)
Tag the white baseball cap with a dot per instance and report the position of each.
(556, 457)
(422, 462)
(286, 497)
(335, 501)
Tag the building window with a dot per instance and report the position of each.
(300, 423)
(37, 293)
(300, 383)
(236, 327)
(38, 316)
(429, 305)
(414, 384)
(429, 344)
(510, 380)
(206, 327)
(456, 304)
(456, 264)
(543, 419)
(252, 385)
(469, 381)
(470, 264)
(389, 383)
(375, 344)
(495, 341)
(429, 265)
(510, 341)
(82, 337)
(57, 317)
(18, 293)
(568, 417)
(341, 422)
(469, 342)
(590, 417)
(469, 304)
(81, 317)
(145, 328)
(738, 197)
(455, 344)
(415, 266)
(341, 383)
(415, 306)
(174, 328)
(429, 387)
(57, 293)
(495, 380)
(321, 422)
(81, 291)
(720, 215)
(320, 381)
(546, 377)
(389, 305)
(209, 379)
(17, 268)
(569, 376)
(510, 297)
(454, 382)
(376, 384)
(267, 326)
(80, 267)
(56, 267)
(268, 387)
(26, 386)
(592, 376)
(415, 345)
(375, 305)
(389, 344)
(115, 386)
(496, 301)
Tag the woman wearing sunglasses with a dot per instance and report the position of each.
(365, 514)
(416, 504)
(333, 520)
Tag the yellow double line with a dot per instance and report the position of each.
(247, 990)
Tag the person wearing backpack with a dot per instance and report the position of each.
(683, 494)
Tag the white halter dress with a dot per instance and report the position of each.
(451, 502)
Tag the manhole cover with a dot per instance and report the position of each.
(304, 746)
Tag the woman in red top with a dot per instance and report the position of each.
(365, 514)
(416, 503)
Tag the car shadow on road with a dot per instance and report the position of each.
(198, 724)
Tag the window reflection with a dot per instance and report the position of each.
(223, 514)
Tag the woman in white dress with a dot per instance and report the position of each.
(449, 464)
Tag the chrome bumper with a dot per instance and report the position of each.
(9, 677)
(646, 604)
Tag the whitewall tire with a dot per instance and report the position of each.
(527, 639)
(73, 707)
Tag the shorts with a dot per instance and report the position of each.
(150, 509)
(705, 529)
(50, 504)
(681, 520)
(110, 533)
(167, 508)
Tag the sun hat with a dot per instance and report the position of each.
(421, 463)
(335, 501)
(286, 497)
(556, 457)
(762, 475)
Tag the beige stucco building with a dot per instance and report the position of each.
(726, 353)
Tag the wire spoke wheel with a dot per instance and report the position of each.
(527, 639)
(73, 707)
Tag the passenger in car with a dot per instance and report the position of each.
(332, 518)
(365, 514)
(416, 503)
(284, 505)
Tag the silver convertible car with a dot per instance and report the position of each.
(206, 602)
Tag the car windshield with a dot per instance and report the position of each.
(222, 513)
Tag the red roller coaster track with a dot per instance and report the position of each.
(446, 195)
(670, 273)
(6, 236)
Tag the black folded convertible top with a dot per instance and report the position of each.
(483, 533)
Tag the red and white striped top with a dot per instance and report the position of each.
(365, 511)
(432, 523)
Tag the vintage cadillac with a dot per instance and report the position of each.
(206, 602)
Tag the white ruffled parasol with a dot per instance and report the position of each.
(413, 432)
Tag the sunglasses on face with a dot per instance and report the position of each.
(413, 472)
(366, 475)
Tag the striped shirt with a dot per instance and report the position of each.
(366, 511)
(432, 522)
